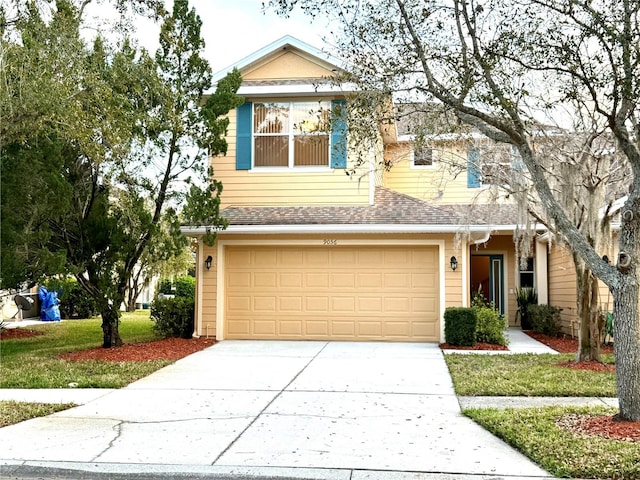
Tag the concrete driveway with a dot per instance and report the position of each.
(247, 406)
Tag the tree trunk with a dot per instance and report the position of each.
(626, 347)
(626, 325)
(588, 313)
(110, 327)
(131, 303)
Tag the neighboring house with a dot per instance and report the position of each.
(313, 253)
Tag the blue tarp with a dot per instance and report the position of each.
(49, 312)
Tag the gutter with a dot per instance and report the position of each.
(194, 231)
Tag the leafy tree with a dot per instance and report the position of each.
(506, 68)
(96, 143)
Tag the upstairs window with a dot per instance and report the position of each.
(422, 157)
(291, 134)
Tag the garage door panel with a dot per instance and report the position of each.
(370, 304)
(337, 292)
(343, 280)
(314, 280)
(291, 304)
(343, 328)
(290, 279)
(239, 304)
(265, 327)
(424, 305)
(291, 327)
(317, 304)
(264, 304)
(343, 305)
(397, 329)
(426, 281)
(317, 328)
(397, 280)
(397, 305)
(264, 279)
(239, 279)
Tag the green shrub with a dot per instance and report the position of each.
(490, 327)
(74, 301)
(460, 326)
(173, 317)
(185, 287)
(545, 319)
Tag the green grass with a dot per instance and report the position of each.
(527, 375)
(15, 412)
(33, 362)
(563, 454)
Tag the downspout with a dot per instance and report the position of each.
(197, 324)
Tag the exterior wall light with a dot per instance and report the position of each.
(453, 263)
(207, 262)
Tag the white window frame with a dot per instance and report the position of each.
(291, 142)
(531, 272)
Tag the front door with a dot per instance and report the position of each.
(487, 279)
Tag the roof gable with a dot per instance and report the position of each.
(285, 52)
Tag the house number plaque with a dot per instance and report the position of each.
(330, 241)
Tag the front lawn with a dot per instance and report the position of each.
(527, 375)
(34, 363)
(536, 433)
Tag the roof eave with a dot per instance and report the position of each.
(196, 231)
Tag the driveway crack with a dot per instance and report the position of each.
(295, 377)
(118, 429)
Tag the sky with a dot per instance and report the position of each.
(234, 29)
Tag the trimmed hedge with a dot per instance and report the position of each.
(460, 324)
(173, 317)
(545, 319)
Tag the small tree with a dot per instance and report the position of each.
(109, 156)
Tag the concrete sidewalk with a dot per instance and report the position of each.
(284, 409)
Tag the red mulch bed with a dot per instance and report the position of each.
(12, 333)
(165, 349)
(477, 346)
(601, 426)
(564, 344)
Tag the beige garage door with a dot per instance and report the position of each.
(332, 293)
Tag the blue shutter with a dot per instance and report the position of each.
(473, 173)
(339, 134)
(243, 136)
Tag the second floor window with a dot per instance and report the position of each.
(423, 157)
(294, 134)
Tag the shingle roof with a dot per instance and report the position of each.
(389, 208)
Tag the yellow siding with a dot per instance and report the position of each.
(562, 289)
(290, 187)
(209, 301)
(288, 64)
(445, 182)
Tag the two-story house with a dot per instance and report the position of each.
(313, 253)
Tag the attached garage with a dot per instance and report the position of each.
(331, 292)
